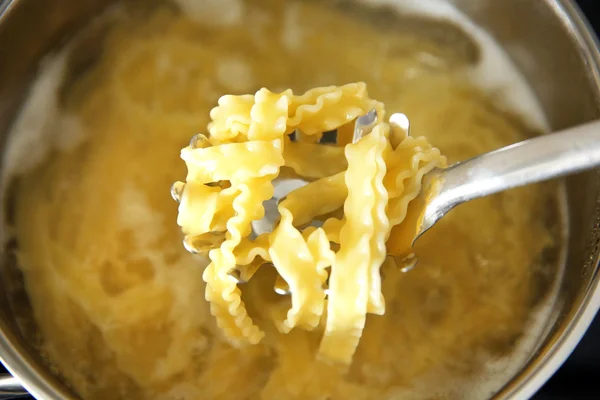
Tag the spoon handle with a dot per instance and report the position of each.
(535, 160)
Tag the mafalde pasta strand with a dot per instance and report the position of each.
(361, 192)
(302, 269)
(313, 160)
(381, 223)
(222, 293)
(324, 109)
(349, 279)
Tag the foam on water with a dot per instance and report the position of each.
(213, 12)
(40, 126)
(494, 372)
(35, 135)
(495, 72)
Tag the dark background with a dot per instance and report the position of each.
(579, 377)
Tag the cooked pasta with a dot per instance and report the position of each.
(120, 304)
(247, 147)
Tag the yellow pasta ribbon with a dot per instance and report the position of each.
(221, 291)
(381, 223)
(303, 268)
(252, 159)
(327, 108)
(350, 273)
(374, 181)
(313, 160)
(269, 115)
(326, 194)
(231, 117)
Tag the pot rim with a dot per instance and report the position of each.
(522, 387)
(588, 45)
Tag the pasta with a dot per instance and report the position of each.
(372, 180)
(120, 304)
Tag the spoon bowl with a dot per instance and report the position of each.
(535, 160)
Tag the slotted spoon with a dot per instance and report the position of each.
(535, 160)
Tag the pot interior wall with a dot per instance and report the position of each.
(550, 53)
(28, 31)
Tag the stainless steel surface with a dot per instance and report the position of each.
(547, 39)
(282, 187)
(364, 125)
(535, 160)
(11, 388)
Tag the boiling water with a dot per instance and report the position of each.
(120, 304)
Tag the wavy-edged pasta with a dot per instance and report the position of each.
(302, 269)
(312, 160)
(349, 282)
(373, 180)
(323, 109)
(221, 291)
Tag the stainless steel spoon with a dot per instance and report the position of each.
(535, 160)
(543, 158)
(539, 159)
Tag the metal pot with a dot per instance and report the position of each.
(548, 39)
